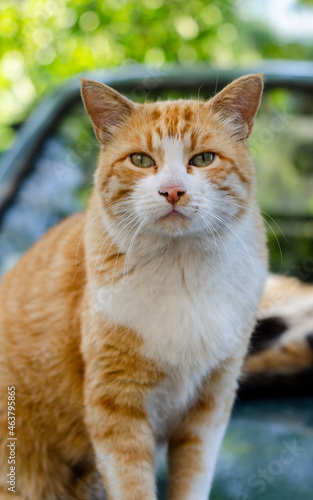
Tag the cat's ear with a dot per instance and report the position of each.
(107, 108)
(239, 102)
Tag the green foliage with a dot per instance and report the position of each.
(46, 41)
(306, 2)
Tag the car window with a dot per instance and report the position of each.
(60, 180)
(58, 185)
(282, 149)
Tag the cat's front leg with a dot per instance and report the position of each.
(117, 381)
(194, 446)
(124, 452)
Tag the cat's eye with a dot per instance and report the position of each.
(141, 160)
(202, 159)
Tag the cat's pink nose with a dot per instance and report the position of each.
(172, 194)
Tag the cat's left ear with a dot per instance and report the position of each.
(238, 103)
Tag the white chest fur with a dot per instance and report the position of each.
(192, 307)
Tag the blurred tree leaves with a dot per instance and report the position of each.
(43, 42)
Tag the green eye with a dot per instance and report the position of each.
(202, 160)
(141, 160)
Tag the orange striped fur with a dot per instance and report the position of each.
(291, 350)
(127, 326)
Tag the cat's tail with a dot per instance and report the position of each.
(280, 359)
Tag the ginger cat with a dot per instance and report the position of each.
(127, 326)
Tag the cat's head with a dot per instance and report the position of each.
(174, 167)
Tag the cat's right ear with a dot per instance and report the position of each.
(107, 108)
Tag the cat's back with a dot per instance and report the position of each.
(51, 266)
(40, 299)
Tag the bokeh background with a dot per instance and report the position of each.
(44, 42)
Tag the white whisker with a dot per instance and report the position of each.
(237, 236)
(113, 241)
(258, 214)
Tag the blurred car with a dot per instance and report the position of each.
(48, 174)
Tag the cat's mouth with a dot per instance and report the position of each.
(175, 222)
(174, 214)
